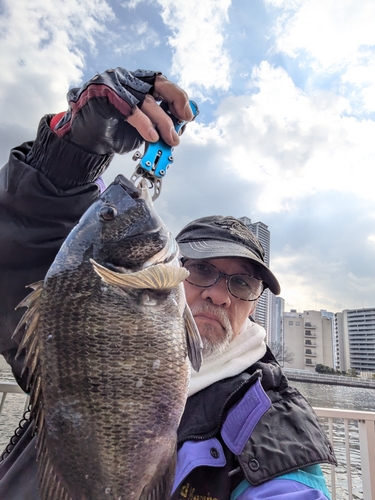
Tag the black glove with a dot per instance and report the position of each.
(96, 118)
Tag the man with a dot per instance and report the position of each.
(245, 432)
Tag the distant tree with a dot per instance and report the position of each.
(324, 369)
(282, 354)
(352, 372)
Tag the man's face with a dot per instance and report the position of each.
(218, 314)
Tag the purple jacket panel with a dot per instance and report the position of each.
(236, 430)
(194, 454)
(243, 417)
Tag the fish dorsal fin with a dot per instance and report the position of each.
(162, 489)
(193, 340)
(49, 483)
(157, 277)
(29, 322)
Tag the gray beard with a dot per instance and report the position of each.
(212, 342)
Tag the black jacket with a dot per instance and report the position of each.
(287, 437)
(44, 189)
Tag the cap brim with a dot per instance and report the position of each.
(214, 249)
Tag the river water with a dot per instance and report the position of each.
(319, 395)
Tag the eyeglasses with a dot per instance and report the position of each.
(241, 286)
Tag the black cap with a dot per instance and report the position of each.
(217, 237)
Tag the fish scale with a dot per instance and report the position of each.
(112, 356)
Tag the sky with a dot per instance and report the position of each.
(286, 128)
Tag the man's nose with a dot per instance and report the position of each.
(218, 293)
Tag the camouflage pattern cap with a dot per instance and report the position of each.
(219, 237)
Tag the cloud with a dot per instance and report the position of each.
(330, 32)
(141, 32)
(42, 52)
(43, 45)
(322, 252)
(330, 38)
(293, 142)
(200, 60)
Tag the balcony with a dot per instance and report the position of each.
(310, 343)
(309, 352)
(308, 333)
(309, 325)
(310, 362)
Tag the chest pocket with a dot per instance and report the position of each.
(197, 476)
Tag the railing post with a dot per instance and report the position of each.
(367, 449)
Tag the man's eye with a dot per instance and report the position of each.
(203, 268)
(240, 282)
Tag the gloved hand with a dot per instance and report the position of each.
(116, 110)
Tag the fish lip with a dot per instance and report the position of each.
(145, 191)
(166, 254)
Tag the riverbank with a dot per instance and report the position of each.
(320, 378)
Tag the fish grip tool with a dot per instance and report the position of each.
(158, 156)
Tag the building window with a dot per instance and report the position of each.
(298, 323)
(308, 361)
(291, 322)
(308, 351)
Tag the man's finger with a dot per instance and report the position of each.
(177, 99)
(161, 120)
(143, 124)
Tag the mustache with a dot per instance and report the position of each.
(216, 311)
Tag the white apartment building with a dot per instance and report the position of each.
(355, 339)
(308, 335)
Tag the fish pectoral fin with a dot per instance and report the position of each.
(193, 340)
(160, 487)
(157, 277)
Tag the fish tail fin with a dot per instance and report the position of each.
(193, 340)
(161, 490)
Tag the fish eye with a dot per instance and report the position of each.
(108, 212)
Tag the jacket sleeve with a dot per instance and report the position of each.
(303, 484)
(44, 189)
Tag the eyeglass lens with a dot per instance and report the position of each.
(242, 286)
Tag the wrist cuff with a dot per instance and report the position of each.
(64, 164)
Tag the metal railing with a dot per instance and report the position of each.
(364, 441)
(331, 418)
(10, 387)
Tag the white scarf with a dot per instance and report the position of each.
(243, 351)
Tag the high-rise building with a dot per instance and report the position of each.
(261, 231)
(277, 307)
(355, 339)
(308, 336)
